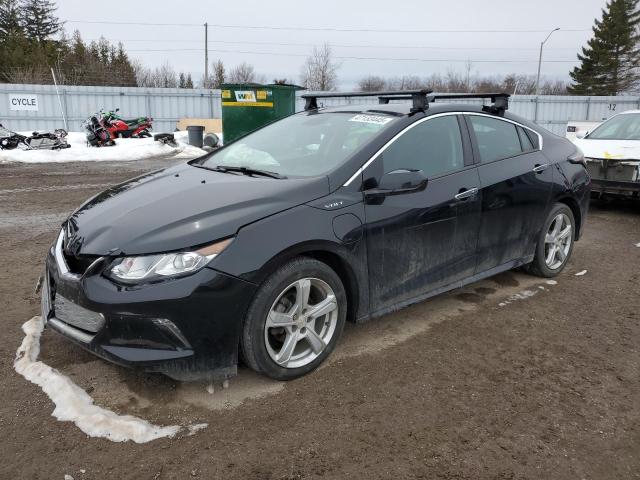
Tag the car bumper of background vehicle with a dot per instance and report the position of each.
(187, 328)
(615, 187)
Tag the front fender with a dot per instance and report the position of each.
(261, 247)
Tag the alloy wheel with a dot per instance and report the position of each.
(557, 241)
(301, 323)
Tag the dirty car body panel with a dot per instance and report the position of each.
(468, 220)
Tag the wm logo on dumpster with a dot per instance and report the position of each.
(245, 96)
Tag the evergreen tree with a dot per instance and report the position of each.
(39, 20)
(182, 81)
(10, 23)
(189, 82)
(609, 63)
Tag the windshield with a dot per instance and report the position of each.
(621, 127)
(305, 145)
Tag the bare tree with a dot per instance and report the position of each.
(372, 83)
(163, 77)
(218, 76)
(319, 71)
(244, 73)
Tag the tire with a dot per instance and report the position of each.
(541, 266)
(275, 320)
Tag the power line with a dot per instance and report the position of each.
(346, 57)
(333, 45)
(320, 29)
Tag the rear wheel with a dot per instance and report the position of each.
(295, 320)
(555, 243)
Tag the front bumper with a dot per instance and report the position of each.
(616, 177)
(187, 328)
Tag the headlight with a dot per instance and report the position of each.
(155, 267)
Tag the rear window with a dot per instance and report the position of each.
(497, 139)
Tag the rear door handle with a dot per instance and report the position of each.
(540, 168)
(466, 193)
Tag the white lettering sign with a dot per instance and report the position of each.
(23, 101)
(245, 96)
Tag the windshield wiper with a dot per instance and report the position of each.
(247, 171)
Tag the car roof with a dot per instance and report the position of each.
(629, 111)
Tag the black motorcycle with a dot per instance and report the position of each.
(97, 134)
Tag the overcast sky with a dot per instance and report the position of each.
(280, 51)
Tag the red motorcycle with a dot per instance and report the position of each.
(119, 128)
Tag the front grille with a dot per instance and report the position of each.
(80, 263)
(77, 316)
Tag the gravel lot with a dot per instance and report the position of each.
(456, 387)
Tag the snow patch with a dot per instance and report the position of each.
(638, 244)
(551, 282)
(125, 149)
(73, 404)
(523, 295)
(193, 429)
(581, 273)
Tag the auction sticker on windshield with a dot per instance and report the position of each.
(376, 119)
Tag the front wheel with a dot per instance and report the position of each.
(555, 243)
(295, 320)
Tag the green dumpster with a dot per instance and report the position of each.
(247, 107)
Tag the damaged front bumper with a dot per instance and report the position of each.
(187, 328)
(614, 177)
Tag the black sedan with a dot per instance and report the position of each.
(263, 249)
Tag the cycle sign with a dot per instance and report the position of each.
(23, 101)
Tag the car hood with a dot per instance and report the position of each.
(181, 207)
(610, 149)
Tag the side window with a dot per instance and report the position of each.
(496, 138)
(525, 141)
(535, 140)
(434, 146)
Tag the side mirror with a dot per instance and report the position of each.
(399, 182)
(581, 135)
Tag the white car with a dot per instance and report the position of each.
(612, 154)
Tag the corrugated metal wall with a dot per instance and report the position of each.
(165, 105)
(168, 105)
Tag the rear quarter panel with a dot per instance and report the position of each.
(572, 183)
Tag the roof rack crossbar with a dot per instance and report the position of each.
(500, 100)
(419, 97)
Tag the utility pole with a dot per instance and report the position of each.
(206, 55)
(540, 59)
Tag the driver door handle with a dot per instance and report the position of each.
(466, 193)
(540, 168)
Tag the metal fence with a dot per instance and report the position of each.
(165, 105)
(168, 105)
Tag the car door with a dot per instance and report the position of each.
(516, 182)
(421, 241)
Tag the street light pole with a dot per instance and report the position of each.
(540, 59)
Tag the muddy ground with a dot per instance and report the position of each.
(456, 387)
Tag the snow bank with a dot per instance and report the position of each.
(126, 149)
(73, 404)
